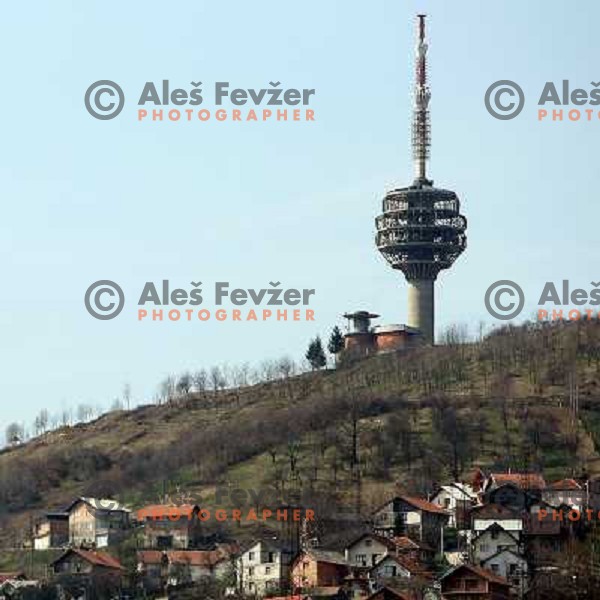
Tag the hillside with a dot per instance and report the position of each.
(525, 398)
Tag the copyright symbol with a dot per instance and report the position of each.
(100, 99)
(98, 305)
(101, 495)
(498, 306)
(501, 107)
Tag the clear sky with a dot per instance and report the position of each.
(85, 200)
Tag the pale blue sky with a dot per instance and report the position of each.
(249, 203)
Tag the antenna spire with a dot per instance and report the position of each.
(421, 128)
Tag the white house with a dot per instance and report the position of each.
(264, 567)
(487, 515)
(511, 566)
(492, 540)
(456, 498)
(368, 549)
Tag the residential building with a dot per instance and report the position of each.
(392, 567)
(175, 567)
(97, 570)
(510, 565)
(567, 492)
(470, 582)
(457, 499)
(96, 523)
(368, 549)
(482, 517)
(264, 568)
(52, 531)
(416, 518)
(170, 527)
(389, 593)
(492, 540)
(315, 569)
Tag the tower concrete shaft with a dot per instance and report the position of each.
(421, 302)
(421, 230)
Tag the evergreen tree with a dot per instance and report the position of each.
(315, 354)
(336, 342)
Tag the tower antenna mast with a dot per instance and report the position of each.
(421, 127)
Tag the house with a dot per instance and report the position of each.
(417, 551)
(416, 518)
(176, 567)
(511, 496)
(264, 568)
(457, 499)
(392, 566)
(368, 549)
(389, 593)
(492, 540)
(510, 565)
(169, 527)
(467, 582)
(96, 522)
(567, 492)
(532, 482)
(482, 517)
(52, 531)
(315, 569)
(88, 568)
(547, 539)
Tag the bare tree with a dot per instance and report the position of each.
(217, 379)
(200, 380)
(184, 385)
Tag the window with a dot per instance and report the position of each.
(483, 547)
(512, 568)
(250, 571)
(271, 557)
(447, 502)
(375, 559)
(368, 542)
(250, 556)
(495, 534)
(390, 571)
(495, 567)
(361, 560)
(267, 570)
(471, 584)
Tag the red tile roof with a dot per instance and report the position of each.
(194, 558)
(526, 481)
(495, 510)
(412, 566)
(405, 543)
(424, 505)
(100, 559)
(388, 592)
(565, 484)
(479, 571)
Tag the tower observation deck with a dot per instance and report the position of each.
(421, 231)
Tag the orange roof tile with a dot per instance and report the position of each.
(100, 559)
(425, 505)
(526, 481)
(565, 484)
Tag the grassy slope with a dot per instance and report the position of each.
(309, 417)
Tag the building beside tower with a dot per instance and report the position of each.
(420, 232)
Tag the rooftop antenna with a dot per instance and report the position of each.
(421, 127)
